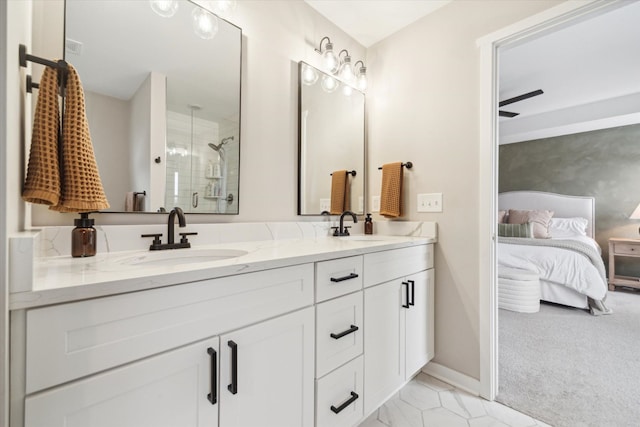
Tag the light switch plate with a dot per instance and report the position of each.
(430, 202)
(375, 204)
(360, 204)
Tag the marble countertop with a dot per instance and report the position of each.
(64, 279)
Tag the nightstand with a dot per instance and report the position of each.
(619, 247)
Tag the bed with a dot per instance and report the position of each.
(570, 267)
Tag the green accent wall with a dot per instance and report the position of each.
(604, 164)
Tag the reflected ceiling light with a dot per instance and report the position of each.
(164, 8)
(309, 75)
(205, 23)
(346, 69)
(361, 76)
(329, 84)
(329, 59)
(224, 6)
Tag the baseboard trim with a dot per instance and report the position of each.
(455, 378)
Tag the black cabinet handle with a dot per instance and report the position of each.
(213, 396)
(351, 330)
(233, 387)
(353, 398)
(340, 279)
(406, 294)
(413, 292)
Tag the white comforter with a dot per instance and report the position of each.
(557, 265)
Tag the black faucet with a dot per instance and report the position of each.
(344, 231)
(157, 245)
(182, 222)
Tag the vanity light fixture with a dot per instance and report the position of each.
(164, 8)
(309, 75)
(329, 58)
(346, 69)
(205, 24)
(361, 76)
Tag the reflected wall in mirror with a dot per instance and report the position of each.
(331, 138)
(163, 103)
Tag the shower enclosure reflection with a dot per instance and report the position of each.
(202, 162)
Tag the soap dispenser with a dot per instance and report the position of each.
(368, 224)
(83, 237)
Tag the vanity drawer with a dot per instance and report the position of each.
(339, 332)
(72, 340)
(338, 277)
(383, 266)
(336, 390)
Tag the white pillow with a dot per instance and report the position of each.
(568, 227)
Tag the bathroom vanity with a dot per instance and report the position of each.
(280, 333)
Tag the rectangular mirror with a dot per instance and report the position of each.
(162, 96)
(331, 138)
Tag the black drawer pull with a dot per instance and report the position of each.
(213, 396)
(351, 330)
(353, 398)
(233, 387)
(406, 294)
(413, 292)
(340, 279)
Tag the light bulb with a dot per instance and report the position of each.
(330, 60)
(329, 84)
(164, 8)
(362, 79)
(309, 75)
(205, 24)
(346, 71)
(224, 6)
(347, 90)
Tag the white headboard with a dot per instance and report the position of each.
(564, 206)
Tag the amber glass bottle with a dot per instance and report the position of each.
(83, 237)
(368, 224)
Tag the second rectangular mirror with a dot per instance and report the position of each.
(331, 139)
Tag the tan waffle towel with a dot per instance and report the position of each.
(43, 174)
(340, 192)
(81, 186)
(391, 193)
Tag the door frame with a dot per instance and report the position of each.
(563, 15)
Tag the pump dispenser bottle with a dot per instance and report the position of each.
(368, 224)
(83, 237)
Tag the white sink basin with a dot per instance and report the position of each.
(182, 256)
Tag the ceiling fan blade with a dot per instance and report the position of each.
(520, 97)
(507, 113)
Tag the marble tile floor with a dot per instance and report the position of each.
(428, 402)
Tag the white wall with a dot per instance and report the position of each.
(423, 106)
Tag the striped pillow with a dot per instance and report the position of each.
(516, 230)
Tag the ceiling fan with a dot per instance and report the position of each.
(518, 98)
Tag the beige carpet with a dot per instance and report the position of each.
(568, 368)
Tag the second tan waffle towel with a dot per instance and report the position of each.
(81, 186)
(340, 194)
(391, 192)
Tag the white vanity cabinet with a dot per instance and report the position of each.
(128, 360)
(398, 322)
(318, 344)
